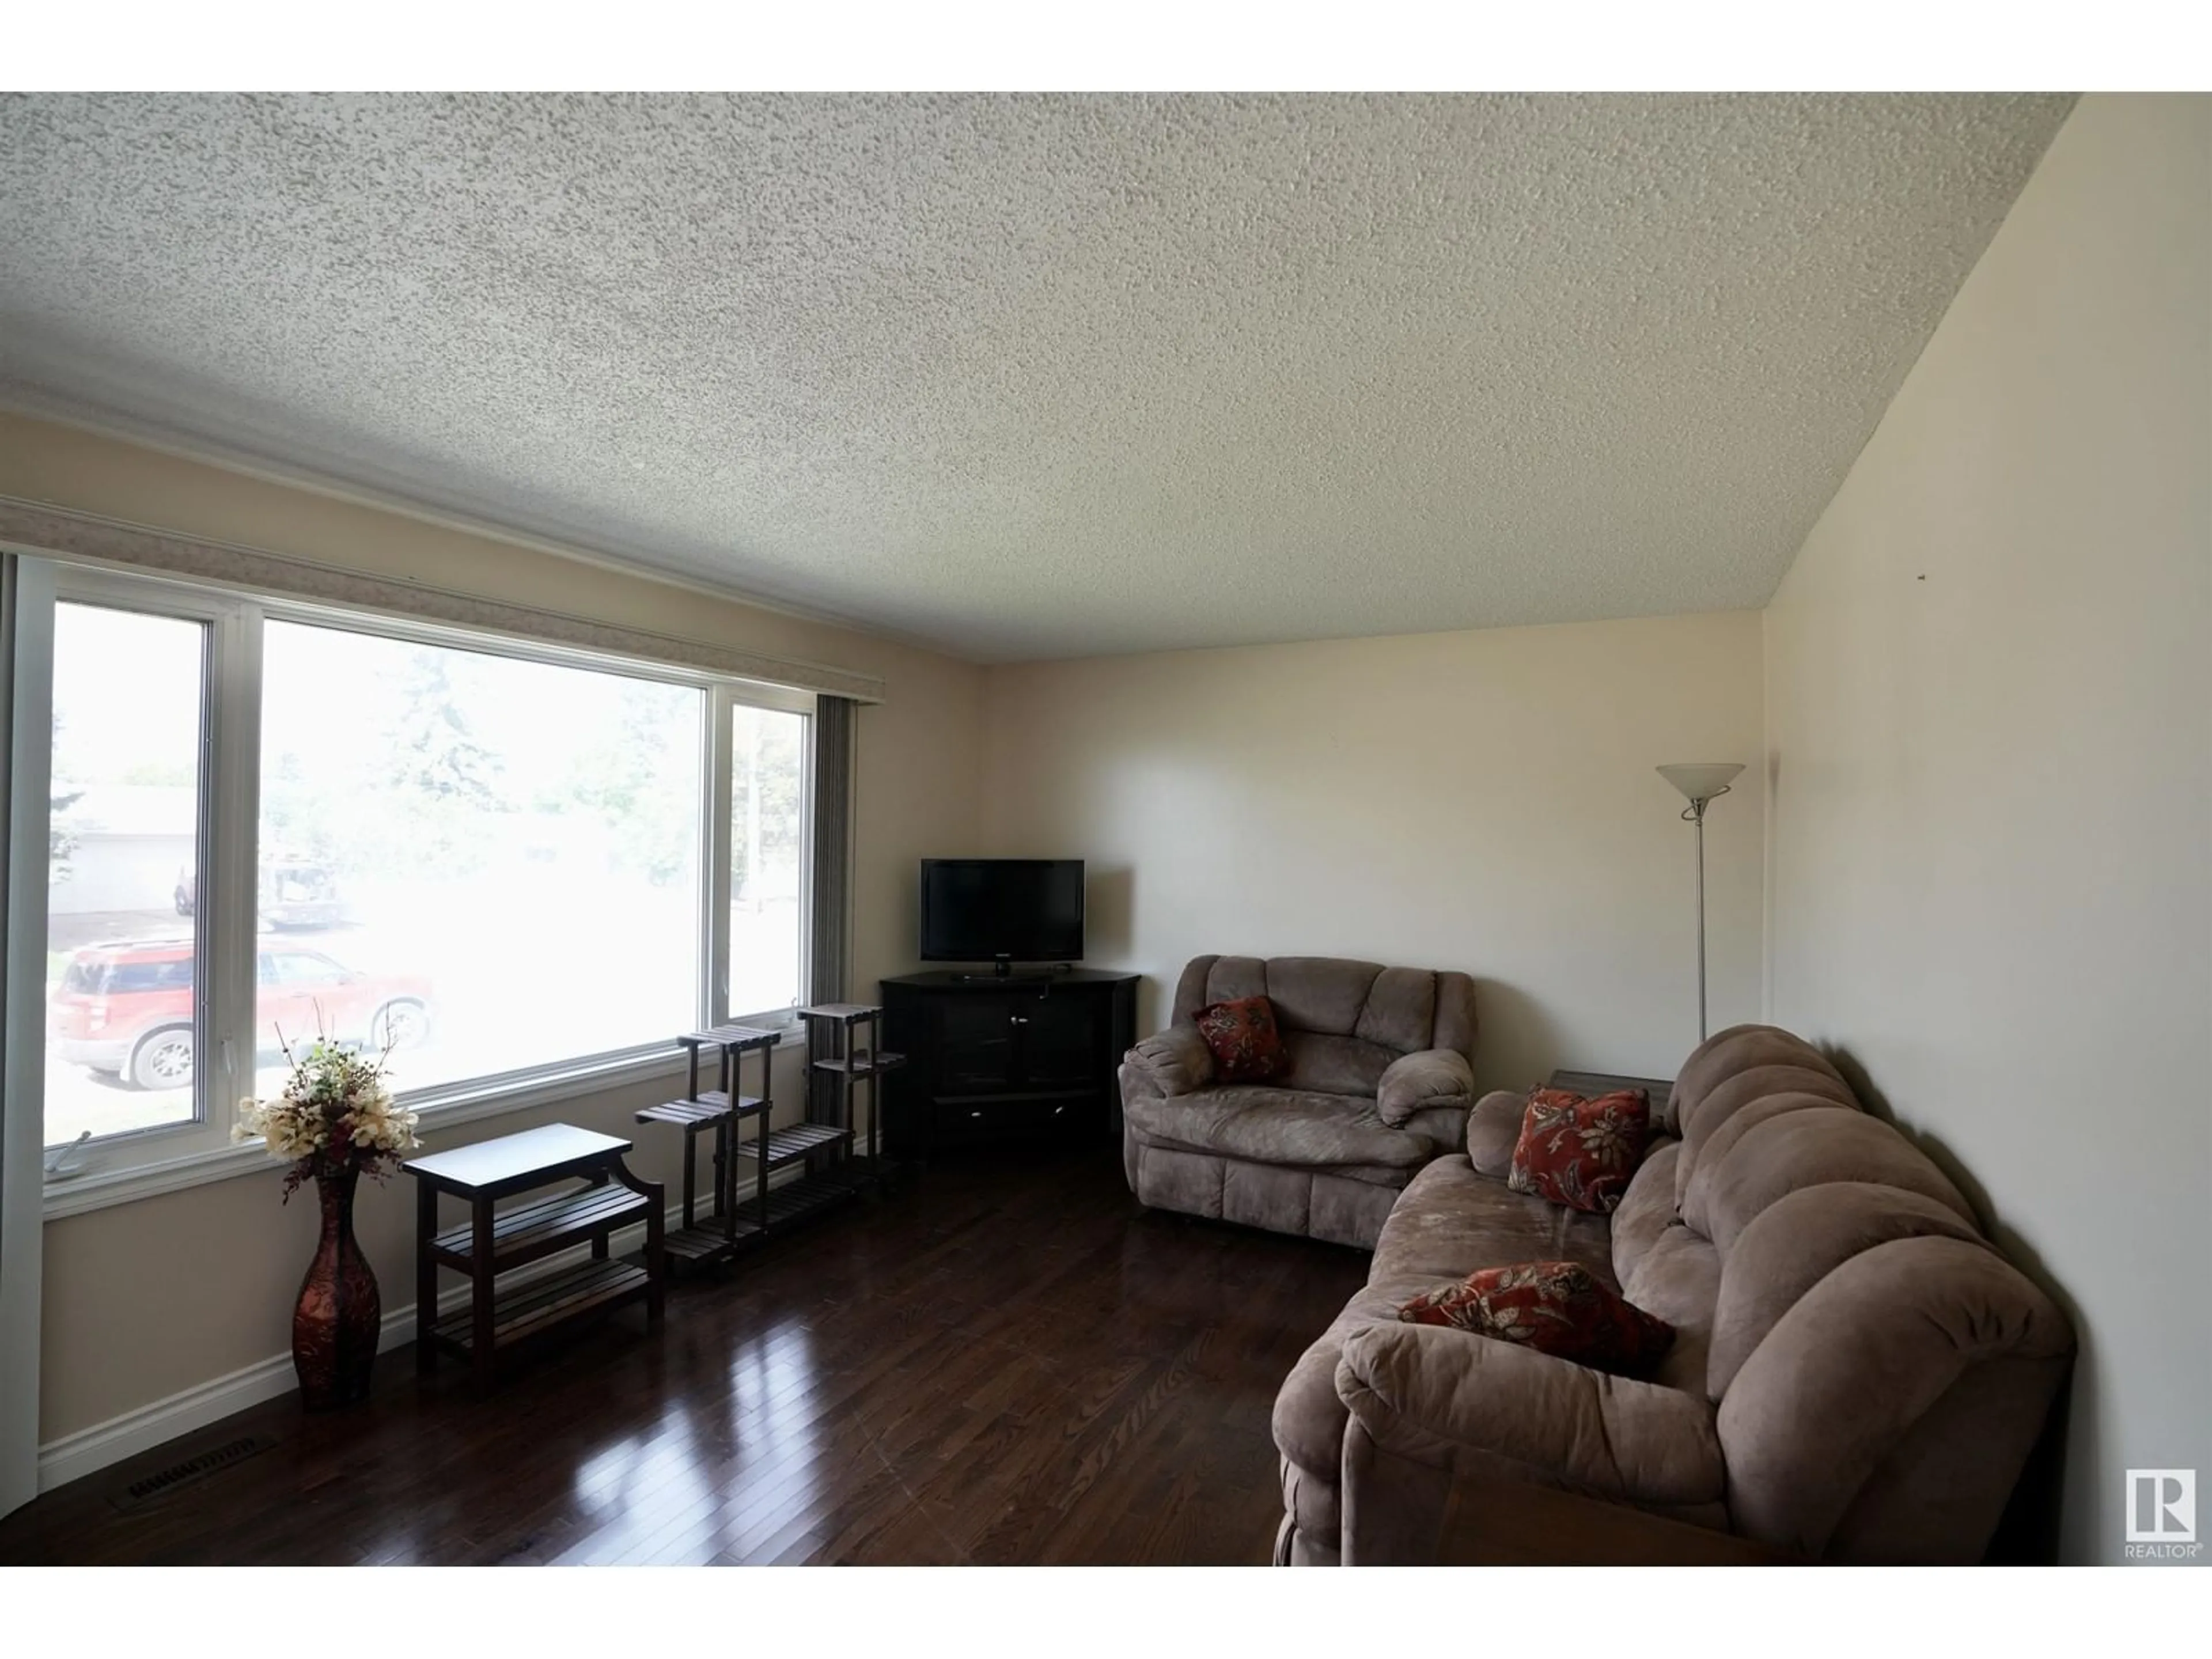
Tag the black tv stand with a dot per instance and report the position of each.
(993, 1057)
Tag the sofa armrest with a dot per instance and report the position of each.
(1447, 1399)
(1493, 1129)
(1427, 1077)
(1175, 1061)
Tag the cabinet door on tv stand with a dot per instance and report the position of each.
(1059, 1042)
(975, 1038)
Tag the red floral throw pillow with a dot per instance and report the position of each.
(1247, 1047)
(1580, 1152)
(1553, 1307)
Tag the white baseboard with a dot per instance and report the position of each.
(73, 1456)
(76, 1455)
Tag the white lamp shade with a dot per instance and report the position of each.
(1700, 779)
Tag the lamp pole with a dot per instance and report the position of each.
(1696, 814)
(1701, 784)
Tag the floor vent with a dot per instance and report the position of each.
(161, 1483)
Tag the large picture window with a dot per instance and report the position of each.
(481, 864)
(498, 863)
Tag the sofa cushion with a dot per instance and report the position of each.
(1679, 1279)
(1218, 979)
(1666, 1269)
(1795, 1242)
(1322, 993)
(1558, 1308)
(1451, 1220)
(1714, 1110)
(1277, 1126)
(1646, 1209)
(1322, 1064)
(1242, 1035)
(1401, 1009)
(1694, 1186)
(1725, 1054)
(1456, 1021)
(1813, 1148)
(1580, 1151)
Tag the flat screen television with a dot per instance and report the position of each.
(1001, 911)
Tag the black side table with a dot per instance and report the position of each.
(492, 1241)
(1587, 1083)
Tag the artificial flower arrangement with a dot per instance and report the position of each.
(336, 1116)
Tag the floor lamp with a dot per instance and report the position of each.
(1701, 782)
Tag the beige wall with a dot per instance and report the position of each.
(1480, 800)
(146, 1299)
(1990, 749)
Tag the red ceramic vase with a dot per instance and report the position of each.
(335, 1325)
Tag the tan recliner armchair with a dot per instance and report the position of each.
(1379, 1083)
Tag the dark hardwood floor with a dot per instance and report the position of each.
(1005, 1362)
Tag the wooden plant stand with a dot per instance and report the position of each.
(856, 1057)
(704, 1243)
(493, 1241)
(824, 1146)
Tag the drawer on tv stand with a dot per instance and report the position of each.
(990, 1116)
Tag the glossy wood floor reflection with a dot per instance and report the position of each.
(1006, 1362)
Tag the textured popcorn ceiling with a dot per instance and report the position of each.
(1034, 376)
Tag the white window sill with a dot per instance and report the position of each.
(100, 1190)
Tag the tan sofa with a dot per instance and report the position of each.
(1858, 1375)
(1378, 1086)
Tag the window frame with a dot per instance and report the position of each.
(722, 834)
(223, 666)
(137, 1163)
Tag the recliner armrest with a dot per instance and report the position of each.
(1430, 1394)
(1175, 1061)
(1427, 1077)
(1493, 1130)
